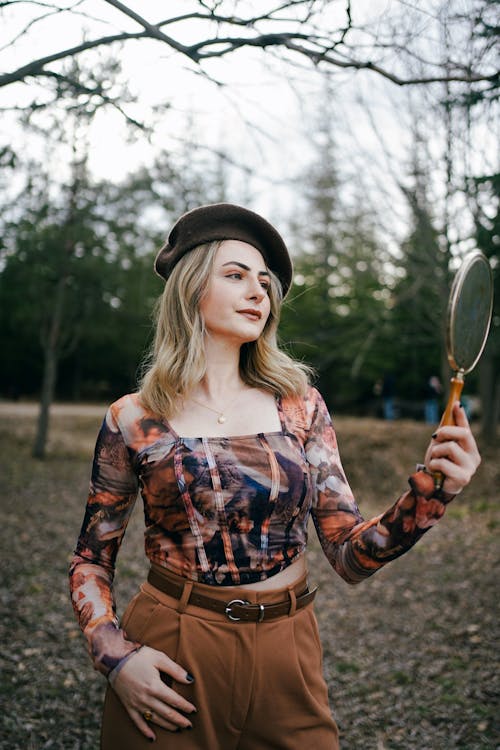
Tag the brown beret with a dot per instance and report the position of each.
(225, 221)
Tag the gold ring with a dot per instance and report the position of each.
(148, 715)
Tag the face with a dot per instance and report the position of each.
(236, 304)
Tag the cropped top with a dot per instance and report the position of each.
(227, 510)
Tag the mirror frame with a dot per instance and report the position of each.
(470, 260)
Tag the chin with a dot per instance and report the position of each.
(253, 336)
(240, 336)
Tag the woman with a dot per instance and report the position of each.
(232, 451)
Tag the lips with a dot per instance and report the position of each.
(251, 314)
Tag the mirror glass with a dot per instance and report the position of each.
(469, 312)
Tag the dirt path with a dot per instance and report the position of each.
(29, 409)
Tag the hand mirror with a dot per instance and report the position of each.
(468, 320)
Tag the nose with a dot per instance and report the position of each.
(255, 290)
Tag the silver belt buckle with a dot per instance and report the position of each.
(230, 604)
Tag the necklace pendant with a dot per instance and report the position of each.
(221, 419)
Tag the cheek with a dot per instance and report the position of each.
(266, 312)
(209, 302)
(266, 308)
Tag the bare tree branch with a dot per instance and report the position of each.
(52, 12)
(306, 37)
(94, 91)
(36, 68)
(151, 30)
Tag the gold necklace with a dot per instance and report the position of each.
(220, 419)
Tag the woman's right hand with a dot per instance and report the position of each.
(141, 689)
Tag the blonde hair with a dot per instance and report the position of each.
(177, 362)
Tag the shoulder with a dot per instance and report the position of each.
(125, 411)
(300, 411)
(139, 427)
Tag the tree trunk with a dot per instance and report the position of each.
(489, 390)
(51, 356)
(47, 396)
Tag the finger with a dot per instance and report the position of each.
(456, 475)
(440, 463)
(166, 716)
(169, 671)
(456, 456)
(160, 721)
(459, 415)
(451, 450)
(141, 724)
(459, 435)
(165, 664)
(451, 432)
(453, 462)
(170, 697)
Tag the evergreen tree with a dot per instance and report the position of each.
(421, 296)
(336, 312)
(486, 193)
(68, 267)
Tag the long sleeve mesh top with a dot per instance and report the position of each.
(228, 510)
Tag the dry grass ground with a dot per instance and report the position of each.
(411, 656)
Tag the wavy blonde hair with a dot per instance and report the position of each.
(177, 363)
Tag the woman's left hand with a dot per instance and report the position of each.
(453, 451)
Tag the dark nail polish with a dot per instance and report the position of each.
(189, 727)
(187, 714)
(189, 677)
(434, 435)
(461, 405)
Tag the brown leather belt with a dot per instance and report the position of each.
(236, 609)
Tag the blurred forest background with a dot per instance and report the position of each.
(368, 133)
(371, 285)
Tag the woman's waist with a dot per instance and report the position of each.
(289, 576)
(293, 577)
(229, 603)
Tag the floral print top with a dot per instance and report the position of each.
(227, 510)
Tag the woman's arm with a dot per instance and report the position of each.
(113, 491)
(134, 671)
(357, 548)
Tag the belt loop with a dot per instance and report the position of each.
(186, 595)
(293, 602)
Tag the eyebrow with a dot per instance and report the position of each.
(245, 268)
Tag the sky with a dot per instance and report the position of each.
(265, 115)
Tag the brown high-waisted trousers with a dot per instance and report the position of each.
(258, 686)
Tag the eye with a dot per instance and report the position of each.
(234, 275)
(265, 285)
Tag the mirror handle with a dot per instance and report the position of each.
(456, 385)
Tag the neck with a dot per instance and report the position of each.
(222, 378)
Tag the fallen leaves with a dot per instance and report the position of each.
(410, 656)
